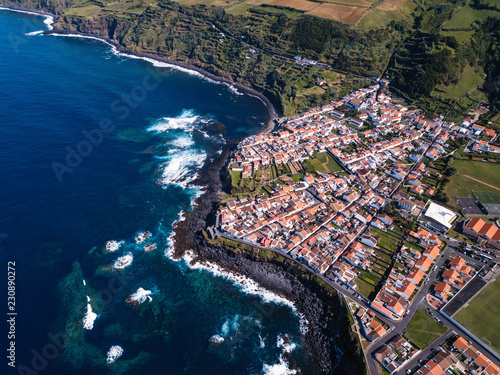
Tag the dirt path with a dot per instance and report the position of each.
(484, 183)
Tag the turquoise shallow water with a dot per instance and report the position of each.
(97, 147)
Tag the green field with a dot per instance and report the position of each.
(465, 16)
(471, 77)
(235, 178)
(331, 164)
(381, 18)
(486, 172)
(461, 186)
(386, 240)
(481, 315)
(314, 165)
(460, 35)
(364, 288)
(488, 198)
(322, 162)
(423, 330)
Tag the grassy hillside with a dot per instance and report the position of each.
(437, 51)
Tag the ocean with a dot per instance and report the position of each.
(98, 155)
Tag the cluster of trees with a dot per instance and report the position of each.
(422, 79)
(447, 172)
(488, 36)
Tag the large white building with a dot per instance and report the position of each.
(441, 218)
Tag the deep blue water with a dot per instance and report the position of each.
(97, 147)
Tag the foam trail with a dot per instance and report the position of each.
(49, 20)
(89, 318)
(38, 32)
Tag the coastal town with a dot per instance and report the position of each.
(353, 191)
(261, 187)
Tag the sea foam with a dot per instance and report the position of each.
(184, 121)
(181, 168)
(280, 368)
(123, 262)
(112, 246)
(181, 165)
(141, 296)
(90, 317)
(247, 284)
(114, 353)
(49, 20)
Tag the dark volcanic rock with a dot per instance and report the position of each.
(328, 337)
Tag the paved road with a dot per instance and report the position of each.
(420, 302)
(342, 288)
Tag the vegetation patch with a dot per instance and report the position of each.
(481, 315)
(466, 15)
(470, 78)
(342, 13)
(364, 288)
(386, 240)
(391, 5)
(423, 329)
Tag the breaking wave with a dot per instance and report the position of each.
(248, 285)
(123, 262)
(49, 20)
(90, 317)
(183, 161)
(285, 343)
(112, 246)
(280, 368)
(184, 121)
(141, 296)
(114, 353)
(181, 168)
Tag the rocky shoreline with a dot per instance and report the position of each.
(332, 346)
(120, 49)
(273, 114)
(328, 338)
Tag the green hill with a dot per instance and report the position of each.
(441, 54)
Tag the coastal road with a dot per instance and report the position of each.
(339, 287)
